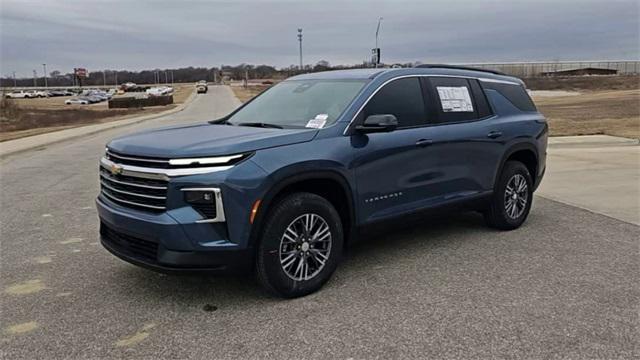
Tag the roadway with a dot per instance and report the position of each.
(564, 285)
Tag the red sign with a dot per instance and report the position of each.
(80, 72)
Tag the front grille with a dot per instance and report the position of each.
(129, 245)
(139, 193)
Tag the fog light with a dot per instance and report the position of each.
(200, 197)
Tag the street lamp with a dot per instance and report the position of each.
(377, 49)
(44, 66)
(300, 41)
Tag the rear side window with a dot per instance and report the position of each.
(516, 94)
(401, 98)
(453, 98)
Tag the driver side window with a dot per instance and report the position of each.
(401, 98)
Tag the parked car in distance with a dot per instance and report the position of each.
(42, 93)
(283, 183)
(55, 93)
(159, 91)
(18, 94)
(78, 101)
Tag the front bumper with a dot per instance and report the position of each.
(160, 243)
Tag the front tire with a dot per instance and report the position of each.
(300, 247)
(511, 199)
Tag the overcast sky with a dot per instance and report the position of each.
(164, 34)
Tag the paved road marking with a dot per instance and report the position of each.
(43, 259)
(71, 241)
(27, 287)
(21, 328)
(137, 337)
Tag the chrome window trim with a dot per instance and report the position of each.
(220, 217)
(159, 174)
(346, 130)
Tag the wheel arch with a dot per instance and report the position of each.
(329, 184)
(524, 152)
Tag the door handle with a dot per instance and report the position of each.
(494, 134)
(424, 142)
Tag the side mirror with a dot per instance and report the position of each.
(378, 123)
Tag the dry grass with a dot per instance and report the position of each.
(584, 83)
(246, 94)
(26, 117)
(614, 113)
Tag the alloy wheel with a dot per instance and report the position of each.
(516, 196)
(305, 247)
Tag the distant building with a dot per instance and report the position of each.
(581, 72)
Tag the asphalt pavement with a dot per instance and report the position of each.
(564, 285)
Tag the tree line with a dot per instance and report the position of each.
(168, 76)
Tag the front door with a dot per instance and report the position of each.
(390, 167)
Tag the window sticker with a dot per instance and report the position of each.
(455, 98)
(318, 122)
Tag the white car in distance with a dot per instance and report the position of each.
(78, 101)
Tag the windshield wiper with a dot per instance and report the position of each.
(261, 124)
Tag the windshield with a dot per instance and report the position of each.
(300, 103)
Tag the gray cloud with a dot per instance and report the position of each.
(161, 34)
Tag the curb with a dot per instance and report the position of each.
(590, 141)
(77, 132)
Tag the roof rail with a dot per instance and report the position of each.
(458, 67)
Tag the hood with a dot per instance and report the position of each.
(206, 140)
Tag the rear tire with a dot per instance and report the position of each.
(300, 246)
(512, 198)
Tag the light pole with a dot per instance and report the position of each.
(15, 83)
(44, 67)
(300, 41)
(377, 48)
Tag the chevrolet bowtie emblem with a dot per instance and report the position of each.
(116, 170)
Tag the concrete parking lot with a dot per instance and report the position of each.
(566, 284)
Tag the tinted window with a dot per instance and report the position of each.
(453, 98)
(483, 108)
(401, 98)
(516, 94)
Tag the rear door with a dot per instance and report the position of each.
(466, 140)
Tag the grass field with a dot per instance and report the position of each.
(26, 117)
(606, 112)
(246, 94)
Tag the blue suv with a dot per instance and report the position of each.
(281, 185)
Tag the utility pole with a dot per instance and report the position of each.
(35, 81)
(44, 66)
(300, 41)
(15, 83)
